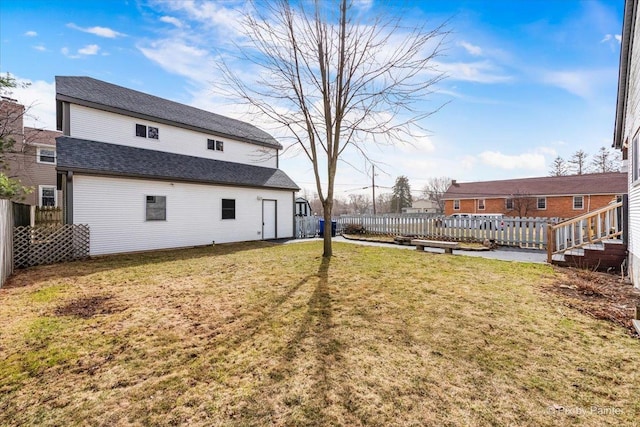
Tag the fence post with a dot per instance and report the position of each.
(550, 243)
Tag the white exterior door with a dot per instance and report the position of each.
(269, 219)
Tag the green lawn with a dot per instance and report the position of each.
(261, 334)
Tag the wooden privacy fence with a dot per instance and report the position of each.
(48, 245)
(506, 231)
(6, 240)
(307, 226)
(48, 215)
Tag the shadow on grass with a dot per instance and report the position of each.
(98, 264)
(310, 397)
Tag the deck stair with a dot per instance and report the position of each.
(592, 241)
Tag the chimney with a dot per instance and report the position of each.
(454, 183)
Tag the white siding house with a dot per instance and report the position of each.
(147, 173)
(627, 128)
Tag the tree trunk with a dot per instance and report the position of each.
(328, 250)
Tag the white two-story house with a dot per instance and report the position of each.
(148, 173)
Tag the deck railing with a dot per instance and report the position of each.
(592, 227)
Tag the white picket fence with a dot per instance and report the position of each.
(507, 231)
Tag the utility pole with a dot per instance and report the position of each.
(373, 186)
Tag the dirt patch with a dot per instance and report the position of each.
(87, 307)
(600, 295)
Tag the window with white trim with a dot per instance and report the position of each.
(636, 157)
(144, 131)
(508, 204)
(480, 204)
(156, 208)
(541, 203)
(578, 202)
(46, 155)
(456, 205)
(215, 145)
(47, 195)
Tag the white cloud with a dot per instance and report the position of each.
(65, 51)
(31, 34)
(471, 49)
(527, 161)
(90, 49)
(618, 37)
(40, 99)
(172, 20)
(40, 47)
(583, 83)
(179, 57)
(98, 31)
(479, 72)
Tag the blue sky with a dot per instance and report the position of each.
(527, 80)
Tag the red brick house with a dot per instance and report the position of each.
(552, 196)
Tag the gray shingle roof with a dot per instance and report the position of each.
(98, 94)
(81, 155)
(597, 183)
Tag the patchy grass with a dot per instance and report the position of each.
(263, 334)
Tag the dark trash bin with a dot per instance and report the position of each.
(334, 226)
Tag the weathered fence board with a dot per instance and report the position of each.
(6, 240)
(48, 215)
(48, 245)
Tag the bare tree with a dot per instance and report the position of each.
(605, 161)
(521, 203)
(434, 190)
(558, 167)
(383, 203)
(360, 203)
(333, 80)
(578, 162)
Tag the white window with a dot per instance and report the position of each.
(47, 195)
(578, 202)
(215, 145)
(542, 203)
(456, 205)
(156, 208)
(147, 132)
(508, 204)
(46, 155)
(636, 157)
(480, 204)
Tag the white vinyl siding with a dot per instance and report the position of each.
(114, 208)
(96, 125)
(630, 131)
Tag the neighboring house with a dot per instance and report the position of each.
(33, 157)
(422, 206)
(627, 128)
(148, 173)
(551, 197)
(303, 208)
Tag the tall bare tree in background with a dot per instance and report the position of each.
(334, 78)
(605, 161)
(434, 190)
(359, 203)
(578, 162)
(558, 167)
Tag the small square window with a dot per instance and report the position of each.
(153, 133)
(141, 131)
(219, 146)
(480, 204)
(542, 203)
(47, 155)
(156, 208)
(47, 196)
(228, 209)
(578, 202)
(211, 144)
(456, 205)
(508, 204)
